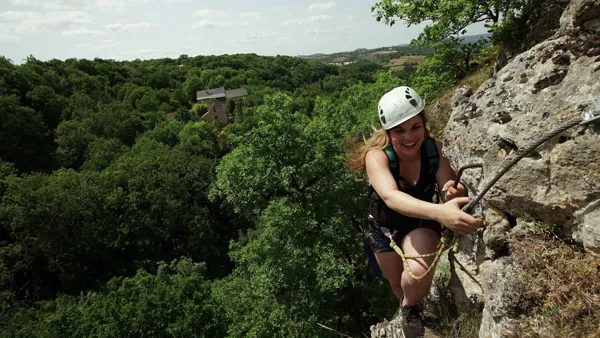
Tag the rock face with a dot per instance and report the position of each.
(559, 183)
(539, 90)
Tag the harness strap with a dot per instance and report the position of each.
(391, 154)
(432, 154)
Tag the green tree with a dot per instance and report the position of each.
(101, 152)
(300, 264)
(72, 230)
(12, 79)
(72, 138)
(449, 17)
(24, 136)
(450, 61)
(173, 302)
(231, 106)
(200, 138)
(191, 86)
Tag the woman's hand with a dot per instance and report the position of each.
(456, 220)
(451, 192)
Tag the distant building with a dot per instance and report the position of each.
(218, 110)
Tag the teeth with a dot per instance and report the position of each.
(410, 144)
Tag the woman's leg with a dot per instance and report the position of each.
(417, 242)
(391, 266)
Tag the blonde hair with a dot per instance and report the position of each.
(379, 140)
(356, 159)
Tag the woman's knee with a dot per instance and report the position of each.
(419, 242)
(418, 270)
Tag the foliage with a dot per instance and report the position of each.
(297, 267)
(450, 61)
(449, 17)
(174, 302)
(24, 136)
(101, 152)
(98, 182)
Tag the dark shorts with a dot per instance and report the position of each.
(381, 243)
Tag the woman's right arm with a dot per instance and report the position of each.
(448, 214)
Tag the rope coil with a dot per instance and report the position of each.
(446, 242)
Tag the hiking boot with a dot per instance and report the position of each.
(412, 326)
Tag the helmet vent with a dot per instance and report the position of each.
(408, 97)
(383, 119)
(413, 102)
(381, 112)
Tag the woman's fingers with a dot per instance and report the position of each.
(447, 185)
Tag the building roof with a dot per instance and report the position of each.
(210, 94)
(236, 93)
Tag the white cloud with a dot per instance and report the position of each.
(313, 19)
(54, 4)
(324, 6)
(31, 22)
(321, 31)
(350, 18)
(141, 52)
(8, 37)
(103, 45)
(82, 32)
(254, 37)
(103, 5)
(258, 37)
(176, 1)
(208, 24)
(208, 13)
(131, 27)
(252, 17)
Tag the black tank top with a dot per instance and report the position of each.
(425, 190)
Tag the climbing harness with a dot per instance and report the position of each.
(590, 119)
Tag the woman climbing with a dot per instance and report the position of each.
(405, 171)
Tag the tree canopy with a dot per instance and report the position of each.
(124, 214)
(449, 17)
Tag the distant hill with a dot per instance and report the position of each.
(474, 38)
(394, 56)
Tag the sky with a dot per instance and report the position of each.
(148, 29)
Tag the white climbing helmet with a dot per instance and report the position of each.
(399, 105)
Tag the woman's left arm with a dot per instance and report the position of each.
(445, 177)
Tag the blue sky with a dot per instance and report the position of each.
(146, 29)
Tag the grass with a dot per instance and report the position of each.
(463, 325)
(561, 285)
(439, 110)
(398, 63)
(466, 325)
(442, 316)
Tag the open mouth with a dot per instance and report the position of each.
(409, 145)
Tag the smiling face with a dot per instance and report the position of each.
(408, 136)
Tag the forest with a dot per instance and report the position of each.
(123, 214)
